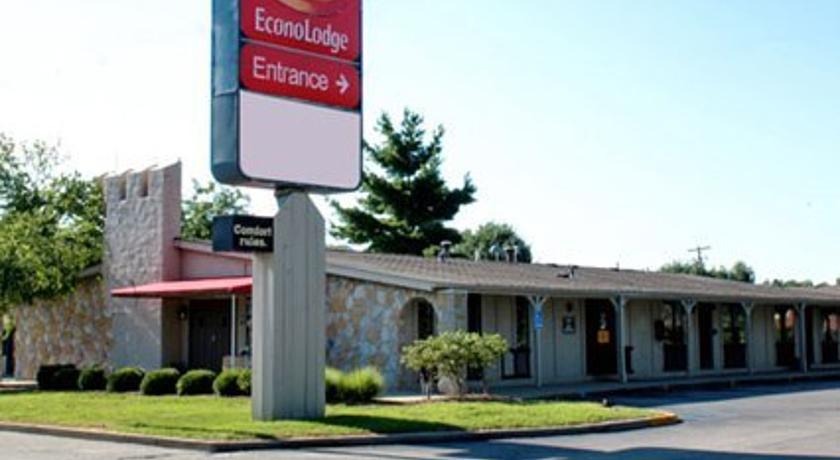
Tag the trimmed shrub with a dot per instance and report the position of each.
(360, 386)
(227, 383)
(332, 384)
(45, 374)
(92, 379)
(196, 382)
(449, 354)
(125, 379)
(160, 382)
(244, 382)
(179, 366)
(58, 377)
(66, 379)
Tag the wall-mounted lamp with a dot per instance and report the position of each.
(183, 314)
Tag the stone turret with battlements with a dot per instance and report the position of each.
(143, 219)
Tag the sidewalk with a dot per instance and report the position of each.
(600, 388)
(591, 389)
(9, 385)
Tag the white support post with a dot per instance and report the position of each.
(233, 331)
(803, 340)
(537, 303)
(691, 340)
(619, 303)
(748, 309)
(289, 314)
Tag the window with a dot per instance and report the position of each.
(675, 351)
(831, 337)
(784, 319)
(831, 327)
(673, 318)
(517, 362)
(425, 320)
(784, 322)
(474, 313)
(733, 321)
(523, 323)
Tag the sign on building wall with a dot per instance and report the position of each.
(538, 318)
(569, 326)
(287, 94)
(603, 337)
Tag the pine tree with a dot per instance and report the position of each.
(405, 200)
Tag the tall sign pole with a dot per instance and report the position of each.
(286, 115)
(289, 310)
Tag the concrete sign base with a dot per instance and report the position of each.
(289, 312)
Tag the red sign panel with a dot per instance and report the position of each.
(327, 27)
(288, 74)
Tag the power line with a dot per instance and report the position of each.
(699, 250)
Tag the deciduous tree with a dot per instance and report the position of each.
(51, 223)
(740, 271)
(490, 241)
(206, 202)
(793, 283)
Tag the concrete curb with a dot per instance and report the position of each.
(658, 420)
(713, 382)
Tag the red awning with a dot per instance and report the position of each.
(188, 288)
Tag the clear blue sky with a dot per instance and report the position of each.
(605, 132)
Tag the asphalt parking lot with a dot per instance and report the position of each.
(798, 422)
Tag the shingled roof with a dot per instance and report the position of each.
(559, 280)
(430, 274)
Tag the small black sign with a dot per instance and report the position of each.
(243, 234)
(569, 326)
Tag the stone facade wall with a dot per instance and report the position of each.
(75, 329)
(143, 218)
(367, 324)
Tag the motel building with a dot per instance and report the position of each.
(157, 300)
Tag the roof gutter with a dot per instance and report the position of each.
(633, 295)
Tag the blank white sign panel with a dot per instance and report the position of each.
(287, 141)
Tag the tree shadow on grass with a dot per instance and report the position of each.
(209, 434)
(355, 425)
(386, 425)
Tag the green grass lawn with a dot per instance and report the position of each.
(215, 418)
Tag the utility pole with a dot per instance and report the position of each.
(699, 250)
